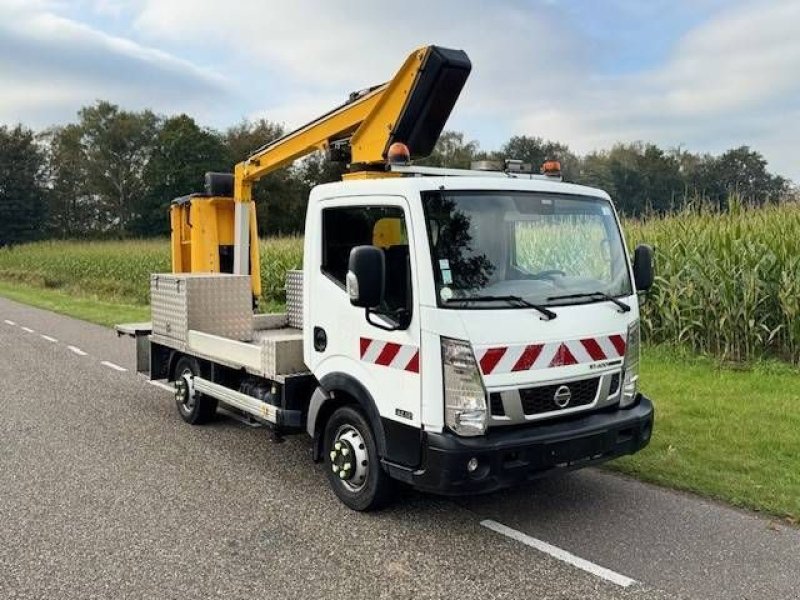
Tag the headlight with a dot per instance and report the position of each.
(464, 395)
(630, 378)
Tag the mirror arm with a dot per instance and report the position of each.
(368, 312)
(400, 316)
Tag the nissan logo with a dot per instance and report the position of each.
(562, 397)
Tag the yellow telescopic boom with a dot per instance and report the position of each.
(411, 108)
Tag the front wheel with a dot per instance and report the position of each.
(352, 463)
(193, 407)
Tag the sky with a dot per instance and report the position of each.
(704, 75)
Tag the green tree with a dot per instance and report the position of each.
(72, 209)
(117, 146)
(536, 151)
(639, 177)
(317, 169)
(22, 204)
(181, 154)
(451, 151)
(743, 172)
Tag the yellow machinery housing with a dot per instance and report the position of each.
(202, 236)
(216, 232)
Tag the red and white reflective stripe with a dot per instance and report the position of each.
(527, 357)
(389, 354)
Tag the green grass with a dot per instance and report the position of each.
(726, 433)
(88, 308)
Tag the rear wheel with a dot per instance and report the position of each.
(352, 463)
(193, 407)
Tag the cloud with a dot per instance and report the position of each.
(50, 66)
(731, 80)
(721, 73)
(728, 80)
(324, 48)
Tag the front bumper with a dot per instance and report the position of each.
(508, 457)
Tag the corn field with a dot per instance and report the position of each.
(120, 270)
(727, 284)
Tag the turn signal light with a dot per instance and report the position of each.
(551, 168)
(398, 154)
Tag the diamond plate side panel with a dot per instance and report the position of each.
(168, 306)
(294, 298)
(221, 305)
(216, 304)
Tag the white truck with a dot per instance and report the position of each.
(458, 331)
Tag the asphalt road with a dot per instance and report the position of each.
(106, 493)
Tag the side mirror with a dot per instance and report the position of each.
(643, 267)
(366, 276)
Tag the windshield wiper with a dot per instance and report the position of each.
(519, 300)
(622, 306)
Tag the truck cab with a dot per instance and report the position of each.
(486, 328)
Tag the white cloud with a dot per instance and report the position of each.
(729, 80)
(329, 49)
(50, 66)
(532, 68)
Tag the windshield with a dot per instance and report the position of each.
(547, 249)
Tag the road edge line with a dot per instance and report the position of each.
(112, 365)
(558, 553)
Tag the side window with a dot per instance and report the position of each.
(345, 227)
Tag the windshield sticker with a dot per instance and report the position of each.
(447, 277)
(444, 264)
(446, 294)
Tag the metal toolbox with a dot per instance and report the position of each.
(294, 298)
(218, 304)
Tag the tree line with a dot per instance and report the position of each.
(113, 173)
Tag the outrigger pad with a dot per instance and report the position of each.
(439, 84)
(219, 184)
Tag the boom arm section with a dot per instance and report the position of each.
(412, 108)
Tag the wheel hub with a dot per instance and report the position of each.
(349, 458)
(184, 391)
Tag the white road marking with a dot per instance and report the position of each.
(7, 322)
(48, 338)
(558, 553)
(76, 350)
(161, 384)
(28, 329)
(111, 365)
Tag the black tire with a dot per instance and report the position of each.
(201, 409)
(374, 490)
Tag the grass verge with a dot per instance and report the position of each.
(88, 308)
(729, 434)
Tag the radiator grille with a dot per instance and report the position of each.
(537, 400)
